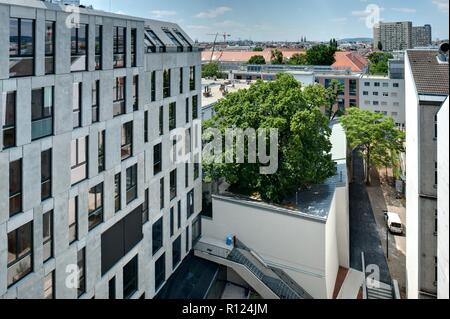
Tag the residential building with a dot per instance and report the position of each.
(421, 36)
(393, 35)
(427, 88)
(349, 97)
(77, 186)
(443, 191)
(263, 255)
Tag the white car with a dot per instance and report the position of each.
(394, 223)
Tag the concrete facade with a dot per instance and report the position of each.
(422, 36)
(393, 35)
(29, 151)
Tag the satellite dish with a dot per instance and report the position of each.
(443, 48)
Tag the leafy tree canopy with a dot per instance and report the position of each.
(304, 148)
(379, 63)
(321, 55)
(376, 136)
(257, 59)
(211, 70)
(276, 57)
(258, 49)
(298, 59)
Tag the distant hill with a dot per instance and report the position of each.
(355, 40)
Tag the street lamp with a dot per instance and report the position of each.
(386, 218)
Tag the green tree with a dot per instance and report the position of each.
(298, 59)
(335, 89)
(258, 49)
(211, 70)
(321, 55)
(379, 63)
(376, 137)
(380, 46)
(334, 44)
(276, 57)
(257, 59)
(304, 147)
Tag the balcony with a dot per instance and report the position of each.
(41, 128)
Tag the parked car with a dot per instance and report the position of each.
(394, 223)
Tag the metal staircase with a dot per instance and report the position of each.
(380, 293)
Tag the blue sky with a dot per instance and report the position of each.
(282, 19)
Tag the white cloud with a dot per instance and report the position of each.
(163, 13)
(213, 13)
(442, 5)
(404, 10)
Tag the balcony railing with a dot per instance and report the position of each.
(41, 128)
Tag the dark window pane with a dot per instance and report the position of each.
(157, 236)
(130, 278)
(8, 109)
(48, 235)
(176, 252)
(20, 253)
(160, 272)
(15, 187)
(46, 174)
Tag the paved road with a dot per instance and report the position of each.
(363, 227)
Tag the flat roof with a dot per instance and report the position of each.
(216, 94)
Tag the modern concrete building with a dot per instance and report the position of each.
(91, 204)
(427, 88)
(443, 191)
(421, 36)
(287, 251)
(393, 35)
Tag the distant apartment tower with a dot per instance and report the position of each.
(427, 88)
(87, 180)
(421, 36)
(393, 35)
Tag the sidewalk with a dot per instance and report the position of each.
(352, 285)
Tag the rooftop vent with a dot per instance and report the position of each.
(443, 52)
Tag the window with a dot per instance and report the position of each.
(161, 193)
(353, 87)
(179, 214)
(192, 78)
(187, 111)
(186, 43)
(49, 47)
(435, 173)
(375, 93)
(117, 192)
(436, 118)
(146, 127)
(79, 48)
(195, 107)
(76, 104)
(176, 252)
(79, 156)
(394, 94)
(386, 94)
(21, 47)
(81, 263)
(153, 84)
(396, 104)
(73, 220)
(127, 141)
(174, 40)
(187, 239)
(49, 283)
(41, 113)
(119, 106)
(157, 159)
(188, 141)
(130, 278)
(145, 207)
(196, 229)
(366, 84)
(160, 272)
(172, 116)
(166, 83)
(101, 151)
(181, 80)
(172, 221)
(133, 46)
(396, 85)
(161, 120)
(20, 253)
(15, 187)
(376, 103)
(352, 103)
(95, 200)
(376, 84)
(365, 93)
(112, 288)
(157, 236)
(173, 184)
(186, 175)
(190, 204)
(46, 174)
(135, 93)
(9, 119)
(155, 41)
(95, 101)
(385, 84)
(119, 47)
(132, 183)
(47, 233)
(98, 47)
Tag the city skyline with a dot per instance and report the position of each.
(247, 20)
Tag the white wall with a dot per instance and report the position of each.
(412, 184)
(443, 191)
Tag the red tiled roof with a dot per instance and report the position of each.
(350, 59)
(244, 56)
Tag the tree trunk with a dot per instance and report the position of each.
(368, 167)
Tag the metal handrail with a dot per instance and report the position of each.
(365, 292)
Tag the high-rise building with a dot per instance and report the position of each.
(87, 179)
(427, 89)
(421, 36)
(393, 35)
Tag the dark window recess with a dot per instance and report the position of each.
(174, 40)
(47, 233)
(160, 272)
(95, 101)
(81, 263)
(145, 208)
(79, 48)
(95, 199)
(15, 187)
(135, 93)
(192, 78)
(196, 230)
(172, 116)
(181, 80)
(176, 252)
(49, 47)
(172, 221)
(119, 47)
(8, 110)
(76, 105)
(146, 127)
(173, 184)
(117, 192)
(49, 284)
(21, 47)
(98, 47)
(187, 113)
(157, 159)
(162, 193)
(153, 86)
(46, 174)
(101, 151)
(190, 203)
(157, 236)
(179, 215)
(73, 220)
(166, 83)
(79, 158)
(41, 113)
(126, 149)
(187, 240)
(130, 278)
(152, 42)
(112, 288)
(195, 107)
(20, 253)
(119, 104)
(120, 239)
(186, 43)
(161, 120)
(133, 47)
(132, 188)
